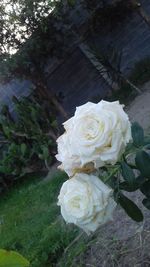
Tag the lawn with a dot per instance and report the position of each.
(30, 222)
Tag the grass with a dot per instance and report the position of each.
(74, 253)
(30, 222)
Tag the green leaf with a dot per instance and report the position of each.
(23, 148)
(130, 208)
(6, 131)
(146, 203)
(128, 187)
(45, 152)
(142, 161)
(140, 180)
(145, 188)
(71, 2)
(12, 259)
(5, 169)
(127, 173)
(137, 134)
(113, 183)
(147, 147)
(54, 124)
(146, 140)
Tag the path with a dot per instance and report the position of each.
(139, 109)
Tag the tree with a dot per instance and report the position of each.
(30, 31)
(19, 19)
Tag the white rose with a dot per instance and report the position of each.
(70, 161)
(86, 201)
(97, 133)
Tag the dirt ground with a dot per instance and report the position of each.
(139, 108)
(122, 242)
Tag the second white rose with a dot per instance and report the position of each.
(86, 201)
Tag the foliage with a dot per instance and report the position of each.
(19, 19)
(11, 258)
(30, 222)
(141, 72)
(109, 14)
(53, 243)
(132, 173)
(138, 76)
(36, 30)
(77, 249)
(26, 142)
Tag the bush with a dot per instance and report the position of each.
(27, 143)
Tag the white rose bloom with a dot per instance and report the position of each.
(97, 133)
(86, 201)
(70, 162)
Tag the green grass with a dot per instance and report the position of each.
(30, 222)
(72, 257)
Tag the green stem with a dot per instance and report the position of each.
(113, 172)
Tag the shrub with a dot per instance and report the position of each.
(27, 142)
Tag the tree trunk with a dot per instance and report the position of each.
(47, 94)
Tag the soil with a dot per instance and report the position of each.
(139, 109)
(123, 242)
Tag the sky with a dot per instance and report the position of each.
(12, 9)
